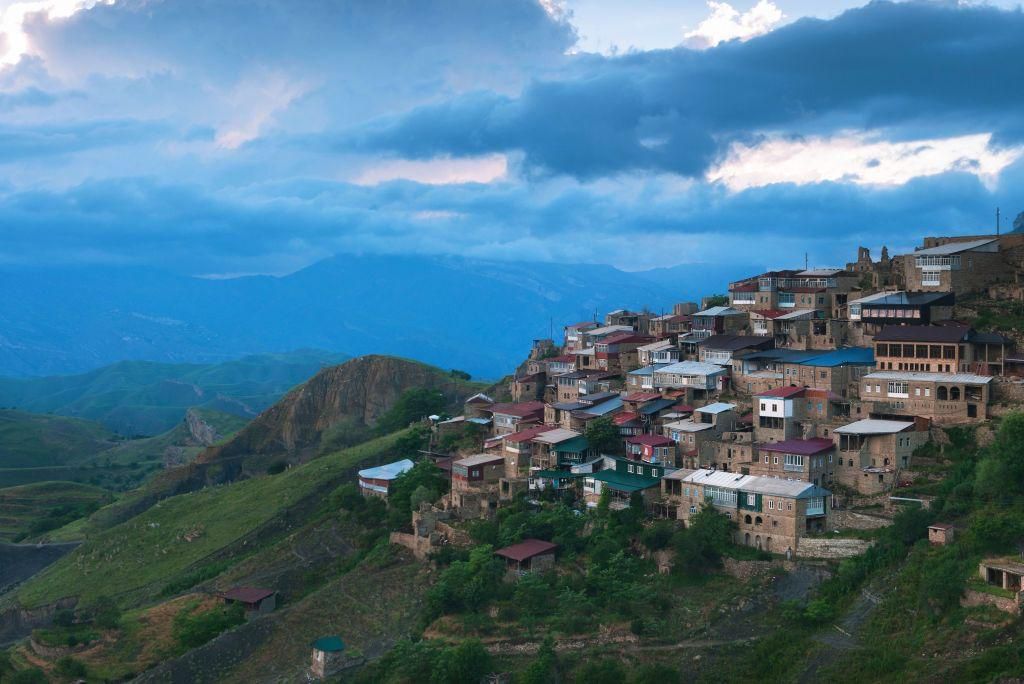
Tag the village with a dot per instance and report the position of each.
(794, 405)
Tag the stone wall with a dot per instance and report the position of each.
(832, 548)
(747, 569)
(1007, 390)
(849, 520)
(981, 598)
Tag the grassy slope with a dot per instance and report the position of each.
(141, 397)
(136, 559)
(21, 506)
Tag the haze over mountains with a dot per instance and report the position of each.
(450, 311)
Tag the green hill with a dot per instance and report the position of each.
(148, 398)
(41, 506)
(135, 560)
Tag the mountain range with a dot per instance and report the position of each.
(450, 311)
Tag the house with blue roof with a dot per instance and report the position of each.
(837, 370)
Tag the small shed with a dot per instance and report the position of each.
(941, 533)
(328, 654)
(529, 555)
(255, 601)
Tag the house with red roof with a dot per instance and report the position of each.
(254, 600)
(617, 353)
(512, 417)
(529, 555)
(651, 449)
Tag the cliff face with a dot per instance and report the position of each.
(356, 393)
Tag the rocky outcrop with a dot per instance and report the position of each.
(200, 432)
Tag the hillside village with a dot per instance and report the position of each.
(802, 395)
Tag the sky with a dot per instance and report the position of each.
(236, 137)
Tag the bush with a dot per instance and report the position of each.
(105, 613)
(191, 629)
(277, 467)
(32, 675)
(69, 667)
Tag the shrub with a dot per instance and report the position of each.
(70, 667)
(191, 629)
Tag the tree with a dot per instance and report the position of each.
(716, 300)
(603, 436)
(603, 671)
(701, 545)
(414, 405)
(466, 663)
(460, 374)
(106, 613)
(544, 668)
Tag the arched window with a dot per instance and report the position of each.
(942, 394)
(747, 519)
(954, 393)
(757, 520)
(850, 463)
(758, 541)
(768, 544)
(746, 539)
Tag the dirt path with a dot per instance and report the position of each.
(840, 637)
(511, 647)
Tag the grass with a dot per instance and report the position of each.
(33, 508)
(135, 560)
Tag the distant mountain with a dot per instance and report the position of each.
(148, 398)
(453, 312)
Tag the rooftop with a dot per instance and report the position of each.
(649, 440)
(688, 426)
(388, 471)
(923, 333)
(773, 486)
(247, 594)
(910, 376)
(625, 482)
(716, 408)
(783, 392)
(527, 434)
(805, 447)
(719, 311)
(521, 410)
(954, 247)
(689, 368)
(526, 549)
(872, 426)
(556, 436)
(479, 459)
(735, 342)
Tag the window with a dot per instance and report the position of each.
(927, 391)
(775, 460)
(932, 278)
(898, 388)
(751, 499)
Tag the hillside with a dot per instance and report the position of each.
(148, 398)
(349, 398)
(449, 311)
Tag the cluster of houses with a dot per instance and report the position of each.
(797, 389)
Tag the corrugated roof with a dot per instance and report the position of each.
(527, 434)
(717, 407)
(923, 333)
(688, 426)
(872, 426)
(649, 440)
(691, 368)
(388, 471)
(805, 447)
(625, 482)
(908, 376)
(771, 486)
(556, 436)
(526, 549)
(719, 311)
(735, 342)
(247, 594)
(782, 392)
(479, 459)
(953, 247)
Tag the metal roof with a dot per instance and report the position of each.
(772, 486)
(908, 376)
(716, 408)
(479, 459)
(609, 329)
(388, 471)
(690, 368)
(526, 549)
(954, 247)
(923, 333)
(556, 436)
(688, 426)
(603, 408)
(625, 482)
(872, 426)
(901, 298)
(805, 447)
(719, 311)
(650, 370)
(860, 356)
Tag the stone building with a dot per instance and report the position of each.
(870, 452)
(475, 485)
(810, 460)
(959, 264)
(940, 397)
(772, 514)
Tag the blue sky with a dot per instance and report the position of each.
(258, 136)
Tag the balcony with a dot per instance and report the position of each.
(792, 468)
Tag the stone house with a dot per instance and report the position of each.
(733, 451)
(722, 349)
(960, 264)
(870, 452)
(770, 513)
(706, 424)
(475, 485)
(558, 448)
(670, 325)
(699, 380)
(651, 449)
(948, 348)
(528, 387)
(717, 320)
(574, 335)
(512, 417)
(869, 314)
(838, 370)
(617, 353)
(941, 533)
(622, 478)
(810, 460)
(940, 397)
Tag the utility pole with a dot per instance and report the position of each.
(806, 262)
(997, 220)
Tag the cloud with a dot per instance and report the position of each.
(857, 72)
(859, 158)
(727, 23)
